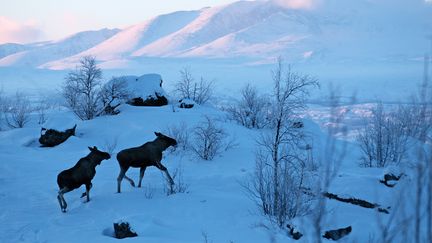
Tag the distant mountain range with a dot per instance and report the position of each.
(337, 31)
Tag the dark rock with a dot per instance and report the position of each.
(149, 101)
(338, 233)
(52, 137)
(356, 201)
(383, 210)
(123, 230)
(390, 178)
(298, 124)
(293, 233)
(186, 104)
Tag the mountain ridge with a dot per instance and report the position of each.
(250, 29)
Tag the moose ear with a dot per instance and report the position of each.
(90, 148)
(95, 148)
(158, 134)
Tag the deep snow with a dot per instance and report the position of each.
(215, 203)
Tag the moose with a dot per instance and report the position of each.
(148, 154)
(81, 174)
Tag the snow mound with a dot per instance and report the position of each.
(145, 86)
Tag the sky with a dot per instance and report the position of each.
(24, 21)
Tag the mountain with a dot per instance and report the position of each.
(334, 31)
(38, 54)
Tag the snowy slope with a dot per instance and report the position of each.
(214, 200)
(46, 52)
(134, 37)
(210, 25)
(11, 48)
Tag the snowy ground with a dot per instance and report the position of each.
(215, 204)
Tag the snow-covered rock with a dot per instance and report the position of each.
(145, 90)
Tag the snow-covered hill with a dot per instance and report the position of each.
(33, 55)
(334, 31)
(214, 199)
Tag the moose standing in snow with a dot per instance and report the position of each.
(148, 154)
(81, 174)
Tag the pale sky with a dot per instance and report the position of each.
(24, 21)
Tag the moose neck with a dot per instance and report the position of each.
(162, 144)
(94, 159)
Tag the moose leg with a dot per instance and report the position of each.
(130, 180)
(165, 170)
(142, 170)
(62, 201)
(87, 192)
(121, 176)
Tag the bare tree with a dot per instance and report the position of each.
(251, 110)
(113, 94)
(18, 110)
(280, 173)
(209, 140)
(187, 88)
(81, 89)
(384, 139)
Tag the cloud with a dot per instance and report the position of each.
(15, 32)
(298, 4)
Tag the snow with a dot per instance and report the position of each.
(372, 49)
(39, 54)
(214, 199)
(145, 86)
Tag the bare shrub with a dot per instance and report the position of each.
(384, 139)
(149, 192)
(280, 171)
(251, 110)
(181, 134)
(187, 88)
(280, 198)
(81, 89)
(41, 109)
(110, 145)
(179, 186)
(113, 94)
(17, 110)
(209, 140)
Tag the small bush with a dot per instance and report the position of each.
(181, 134)
(179, 186)
(17, 111)
(384, 138)
(187, 88)
(113, 94)
(251, 110)
(209, 140)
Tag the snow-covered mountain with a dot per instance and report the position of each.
(335, 31)
(39, 53)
